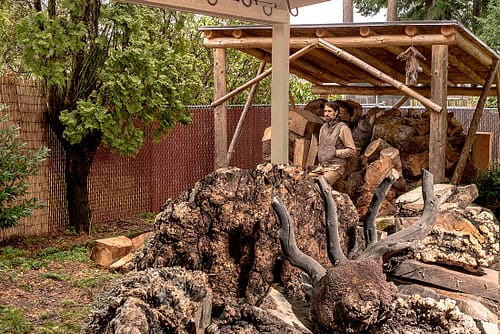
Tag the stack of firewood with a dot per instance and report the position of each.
(385, 139)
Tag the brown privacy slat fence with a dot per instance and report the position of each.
(122, 187)
(25, 109)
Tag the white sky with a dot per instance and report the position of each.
(329, 12)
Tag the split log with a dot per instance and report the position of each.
(312, 154)
(316, 106)
(372, 151)
(301, 152)
(304, 123)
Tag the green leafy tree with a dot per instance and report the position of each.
(489, 29)
(113, 72)
(17, 164)
(466, 12)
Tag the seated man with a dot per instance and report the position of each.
(335, 145)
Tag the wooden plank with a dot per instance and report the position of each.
(313, 151)
(300, 152)
(483, 286)
(438, 121)
(482, 150)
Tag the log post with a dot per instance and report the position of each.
(438, 121)
(220, 111)
(459, 169)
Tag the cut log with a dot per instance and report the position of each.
(376, 172)
(301, 151)
(106, 251)
(304, 123)
(372, 151)
(484, 286)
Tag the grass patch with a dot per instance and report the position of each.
(55, 276)
(13, 258)
(94, 281)
(12, 321)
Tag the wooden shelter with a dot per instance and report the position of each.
(423, 60)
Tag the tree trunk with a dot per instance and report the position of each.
(392, 10)
(77, 169)
(348, 11)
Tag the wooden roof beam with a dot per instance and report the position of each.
(473, 50)
(378, 41)
(371, 90)
(379, 74)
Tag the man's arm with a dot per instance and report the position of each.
(349, 147)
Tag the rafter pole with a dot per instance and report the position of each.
(379, 74)
(476, 118)
(263, 75)
(241, 121)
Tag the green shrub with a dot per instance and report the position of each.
(16, 165)
(488, 184)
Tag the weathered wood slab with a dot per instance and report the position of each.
(484, 286)
(301, 151)
(313, 151)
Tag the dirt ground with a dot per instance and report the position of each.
(56, 296)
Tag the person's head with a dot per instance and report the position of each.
(331, 111)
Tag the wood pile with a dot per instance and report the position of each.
(385, 139)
